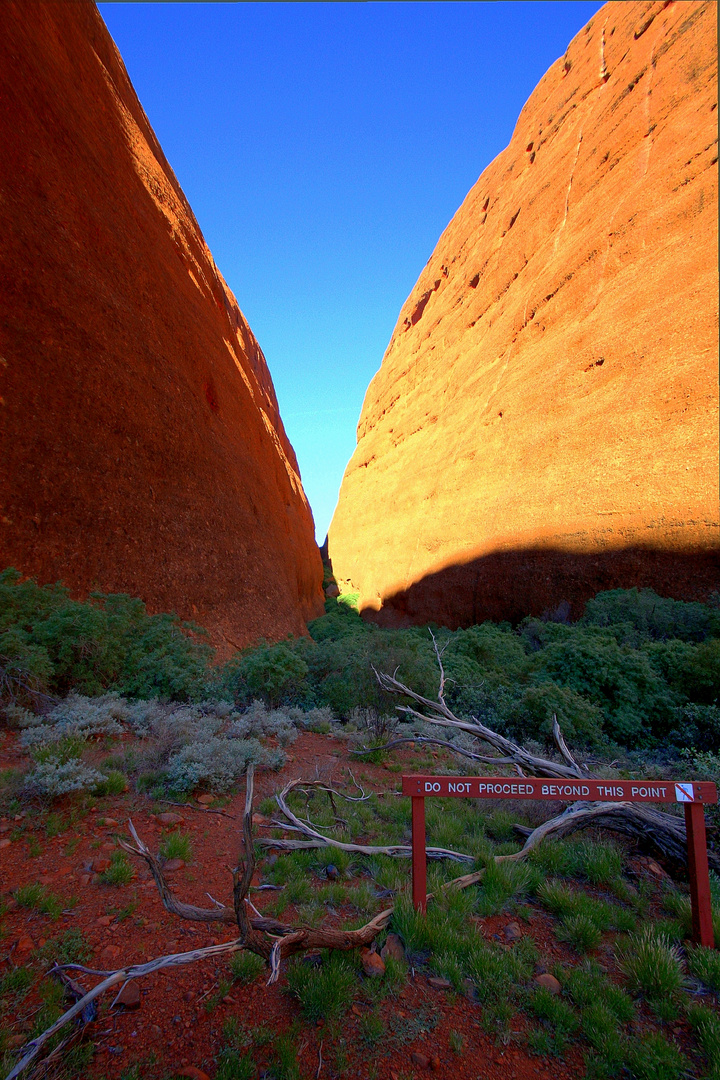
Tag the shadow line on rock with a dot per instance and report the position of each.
(509, 585)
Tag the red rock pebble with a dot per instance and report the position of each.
(393, 947)
(549, 982)
(129, 996)
(372, 963)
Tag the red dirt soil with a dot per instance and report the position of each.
(544, 422)
(142, 447)
(172, 1021)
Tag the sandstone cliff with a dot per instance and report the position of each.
(544, 423)
(142, 448)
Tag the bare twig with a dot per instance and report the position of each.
(444, 743)
(135, 971)
(242, 876)
(439, 656)
(562, 747)
(318, 839)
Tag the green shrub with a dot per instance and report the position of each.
(618, 679)
(636, 669)
(107, 642)
(697, 726)
(275, 674)
(340, 620)
(651, 616)
(702, 677)
(581, 722)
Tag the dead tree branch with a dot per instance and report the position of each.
(319, 840)
(297, 940)
(665, 831)
(438, 714)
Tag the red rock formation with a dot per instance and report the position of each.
(142, 448)
(544, 423)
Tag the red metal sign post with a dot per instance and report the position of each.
(693, 795)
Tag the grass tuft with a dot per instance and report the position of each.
(177, 845)
(654, 1058)
(704, 964)
(706, 1027)
(324, 992)
(120, 872)
(245, 967)
(581, 932)
(654, 968)
(38, 898)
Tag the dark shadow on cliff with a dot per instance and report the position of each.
(509, 585)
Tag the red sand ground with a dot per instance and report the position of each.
(172, 1022)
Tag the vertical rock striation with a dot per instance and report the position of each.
(142, 447)
(544, 423)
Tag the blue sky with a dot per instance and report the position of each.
(324, 148)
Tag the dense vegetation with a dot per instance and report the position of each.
(111, 702)
(637, 670)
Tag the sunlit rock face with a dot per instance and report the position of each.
(544, 423)
(142, 448)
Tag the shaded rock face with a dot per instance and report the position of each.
(142, 448)
(544, 423)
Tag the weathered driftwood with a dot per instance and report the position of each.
(275, 941)
(664, 831)
(269, 938)
(319, 840)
